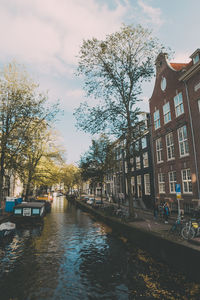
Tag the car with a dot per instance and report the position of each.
(98, 202)
(84, 199)
(91, 201)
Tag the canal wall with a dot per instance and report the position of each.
(179, 255)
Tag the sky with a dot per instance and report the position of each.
(45, 36)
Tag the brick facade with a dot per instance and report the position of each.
(175, 121)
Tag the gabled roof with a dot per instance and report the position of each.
(178, 66)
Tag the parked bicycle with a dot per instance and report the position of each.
(191, 229)
(177, 226)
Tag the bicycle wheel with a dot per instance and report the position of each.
(188, 232)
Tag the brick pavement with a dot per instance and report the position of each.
(144, 220)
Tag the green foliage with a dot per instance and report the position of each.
(114, 70)
(96, 161)
(23, 113)
(71, 177)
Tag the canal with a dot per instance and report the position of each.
(72, 256)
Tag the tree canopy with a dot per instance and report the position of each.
(114, 70)
(23, 109)
(96, 161)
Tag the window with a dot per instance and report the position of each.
(170, 146)
(156, 119)
(196, 59)
(159, 150)
(147, 184)
(183, 141)
(139, 186)
(163, 83)
(187, 181)
(137, 146)
(145, 160)
(199, 104)
(172, 182)
(17, 211)
(166, 113)
(133, 185)
(35, 211)
(132, 163)
(137, 159)
(161, 183)
(126, 167)
(144, 142)
(178, 104)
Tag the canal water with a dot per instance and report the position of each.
(72, 256)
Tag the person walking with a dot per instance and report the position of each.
(166, 212)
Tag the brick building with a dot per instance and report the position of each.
(175, 115)
(141, 172)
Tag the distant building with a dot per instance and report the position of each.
(142, 182)
(175, 117)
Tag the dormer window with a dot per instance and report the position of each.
(196, 59)
(195, 56)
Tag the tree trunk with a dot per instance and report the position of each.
(28, 185)
(2, 172)
(129, 190)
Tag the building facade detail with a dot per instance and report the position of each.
(175, 111)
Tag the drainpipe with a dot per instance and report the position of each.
(193, 141)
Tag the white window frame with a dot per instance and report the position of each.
(133, 185)
(139, 185)
(147, 186)
(178, 104)
(161, 183)
(170, 146)
(183, 141)
(159, 150)
(144, 142)
(156, 117)
(138, 163)
(145, 160)
(126, 167)
(172, 182)
(186, 181)
(199, 104)
(166, 113)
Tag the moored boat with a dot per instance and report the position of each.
(47, 204)
(29, 211)
(6, 229)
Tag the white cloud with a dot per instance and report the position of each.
(48, 33)
(154, 14)
(182, 57)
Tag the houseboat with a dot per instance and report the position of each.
(28, 211)
(6, 229)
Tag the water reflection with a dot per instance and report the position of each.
(74, 257)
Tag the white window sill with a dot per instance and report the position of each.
(180, 114)
(169, 159)
(167, 122)
(185, 155)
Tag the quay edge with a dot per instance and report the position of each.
(180, 256)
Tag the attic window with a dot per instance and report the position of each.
(196, 58)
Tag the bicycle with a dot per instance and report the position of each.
(190, 230)
(177, 226)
